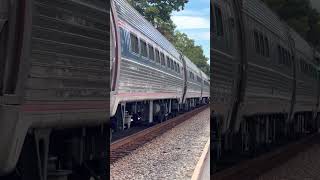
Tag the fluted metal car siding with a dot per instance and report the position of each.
(138, 76)
(302, 45)
(132, 17)
(260, 12)
(68, 51)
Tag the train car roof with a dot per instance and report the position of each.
(129, 14)
(191, 65)
(263, 14)
(204, 76)
(302, 45)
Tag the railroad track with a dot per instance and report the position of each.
(251, 169)
(124, 146)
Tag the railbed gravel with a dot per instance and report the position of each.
(173, 155)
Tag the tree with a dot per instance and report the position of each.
(158, 13)
(300, 16)
(195, 53)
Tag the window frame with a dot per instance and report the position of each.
(153, 53)
(162, 60)
(168, 62)
(266, 41)
(143, 42)
(138, 43)
(261, 41)
(157, 56)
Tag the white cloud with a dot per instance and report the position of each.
(200, 36)
(191, 22)
(186, 12)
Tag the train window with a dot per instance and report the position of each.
(256, 41)
(163, 60)
(143, 47)
(218, 16)
(285, 56)
(178, 68)
(172, 65)
(151, 52)
(134, 43)
(261, 40)
(198, 79)
(288, 58)
(168, 62)
(282, 55)
(175, 66)
(157, 56)
(302, 66)
(279, 54)
(266, 42)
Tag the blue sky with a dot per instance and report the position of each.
(194, 20)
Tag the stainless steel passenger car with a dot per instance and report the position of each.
(265, 82)
(151, 79)
(53, 88)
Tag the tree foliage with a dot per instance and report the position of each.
(192, 51)
(300, 15)
(158, 13)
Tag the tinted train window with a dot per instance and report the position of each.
(261, 44)
(172, 65)
(198, 79)
(178, 68)
(266, 42)
(157, 56)
(256, 41)
(151, 52)
(175, 66)
(191, 75)
(168, 62)
(218, 16)
(279, 55)
(134, 43)
(162, 60)
(144, 49)
(261, 41)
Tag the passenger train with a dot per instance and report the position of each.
(265, 80)
(53, 89)
(151, 80)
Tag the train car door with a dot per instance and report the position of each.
(185, 80)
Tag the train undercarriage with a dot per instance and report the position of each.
(150, 112)
(259, 134)
(63, 154)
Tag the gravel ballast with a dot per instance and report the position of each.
(173, 155)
